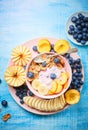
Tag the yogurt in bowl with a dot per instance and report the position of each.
(50, 78)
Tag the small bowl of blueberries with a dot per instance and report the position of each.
(77, 28)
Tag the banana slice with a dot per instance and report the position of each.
(36, 84)
(42, 90)
(20, 55)
(45, 105)
(72, 96)
(15, 76)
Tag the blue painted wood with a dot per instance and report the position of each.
(22, 20)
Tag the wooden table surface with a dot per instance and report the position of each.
(23, 20)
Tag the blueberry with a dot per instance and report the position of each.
(84, 34)
(79, 36)
(78, 40)
(85, 19)
(79, 66)
(21, 101)
(82, 24)
(0, 81)
(56, 60)
(71, 27)
(78, 22)
(79, 27)
(78, 61)
(70, 32)
(74, 19)
(75, 36)
(73, 78)
(80, 75)
(4, 103)
(71, 60)
(83, 42)
(30, 93)
(30, 74)
(78, 70)
(84, 30)
(80, 16)
(20, 96)
(17, 93)
(24, 94)
(79, 78)
(81, 82)
(44, 64)
(75, 74)
(86, 25)
(53, 76)
(34, 48)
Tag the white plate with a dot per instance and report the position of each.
(69, 22)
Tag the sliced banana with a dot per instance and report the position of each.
(45, 105)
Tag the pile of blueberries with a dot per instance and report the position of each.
(79, 28)
(77, 76)
(23, 91)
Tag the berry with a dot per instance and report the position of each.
(78, 70)
(83, 42)
(79, 36)
(20, 96)
(4, 103)
(30, 74)
(21, 101)
(84, 30)
(56, 60)
(81, 82)
(44, 64)
(0, 81)
(53, 76)
(70, 32)
(34, 48)
(80, 16)
(75, 36)
(74, 19)
(78, 40)
(30, 93)
(71, 27)
(78, 61)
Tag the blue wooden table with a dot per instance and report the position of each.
(20, 21)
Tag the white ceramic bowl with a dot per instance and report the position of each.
(69, 22)
(68, 69)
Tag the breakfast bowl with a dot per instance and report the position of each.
(48, 75)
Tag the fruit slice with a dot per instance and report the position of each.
(72, 96)
(59, 88)
(36, 84)
(61, 46)
(65, 85)
(20, 55)
(43, 45)
(15, 76)
(63, 79)
(54, 87)
(43, 90)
